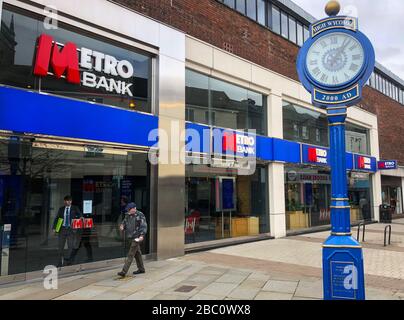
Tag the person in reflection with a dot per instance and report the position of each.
(68, 212)
(84, 239)
(135, 227)
(117, 217)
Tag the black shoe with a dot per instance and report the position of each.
(122, 274)
(138, 272)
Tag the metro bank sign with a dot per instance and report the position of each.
(238, 143)
(364, 163)
(317, 155)
(66, 60)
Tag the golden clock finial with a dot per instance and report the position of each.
(332, 8)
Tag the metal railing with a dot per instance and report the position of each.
(363, 231)
(385, 234)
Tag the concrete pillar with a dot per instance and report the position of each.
(277, 216)
(276, 176)
(402, 195)
(376, 184)
(170, 240)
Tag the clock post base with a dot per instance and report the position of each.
(343, 271)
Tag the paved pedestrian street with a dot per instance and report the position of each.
(281, 269)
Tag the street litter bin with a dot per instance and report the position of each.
(385, 213)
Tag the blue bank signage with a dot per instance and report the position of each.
(387, 165)
(315, 155)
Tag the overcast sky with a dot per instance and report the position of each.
(381, 20)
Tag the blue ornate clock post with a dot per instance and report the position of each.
(333, 65)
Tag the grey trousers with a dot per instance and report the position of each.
(134, 252)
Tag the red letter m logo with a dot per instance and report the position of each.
(65, 61)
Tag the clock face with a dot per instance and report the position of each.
(335, 59)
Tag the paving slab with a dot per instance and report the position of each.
(112, 295)
(203, 278)
(21, 293)
(310, 289)
(84, 293)
(204, 296)
(244, 293)
(166, 283)
(259, 276)
(378, 294)
(232, 278)
(281, 286)
(143, 295)
(170, 297)
(273, 296)
(251, 284)
(219, 289)
(212, 271)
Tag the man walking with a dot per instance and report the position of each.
(68, 212)
(135, 227)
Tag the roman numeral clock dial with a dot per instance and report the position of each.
(335, 59)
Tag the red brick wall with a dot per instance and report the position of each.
(225, 28)
(390, 118)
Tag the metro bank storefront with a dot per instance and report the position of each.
(78, 105)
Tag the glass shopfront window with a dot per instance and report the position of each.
(392, 193)
(35, 176)
(357, 139)
(308, 197)
(219, 103)
(243, 210)
(104, 81)
(304, 125)
(360, 193)
(311, 127)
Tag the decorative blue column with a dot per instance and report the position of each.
(326, 69)
(343, 272)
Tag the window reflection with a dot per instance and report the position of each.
(304, 125)
(292, 29)
(219, 103)
(240, 6)
(36, 176)
(261, 11)
(357, 139)
(252, 9)
(284, 24)
(308, 126)
(276, 19)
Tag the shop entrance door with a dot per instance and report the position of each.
(36, 175)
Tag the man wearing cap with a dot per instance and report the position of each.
(135, 227)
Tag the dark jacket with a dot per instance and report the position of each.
(135, 225)
(75, 213)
